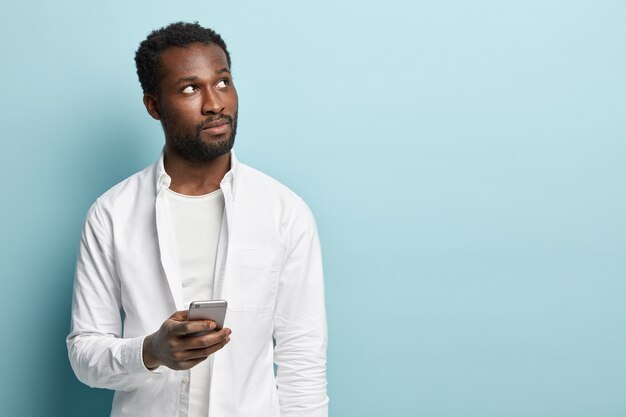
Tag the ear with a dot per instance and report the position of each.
(152, 105)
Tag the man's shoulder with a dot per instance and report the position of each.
(130, 188)
(261, 183)
(269, 198)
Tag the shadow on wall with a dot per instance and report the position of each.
(101, 155)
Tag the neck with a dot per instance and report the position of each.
(195, 178)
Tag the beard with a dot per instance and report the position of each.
(190, 146)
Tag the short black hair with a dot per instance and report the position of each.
(179, 34)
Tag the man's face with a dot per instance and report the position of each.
(197, 102)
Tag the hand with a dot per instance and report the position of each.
(173, 346)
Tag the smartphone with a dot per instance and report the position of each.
(214, 310)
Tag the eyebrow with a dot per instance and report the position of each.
(187, 79)
(193, 78)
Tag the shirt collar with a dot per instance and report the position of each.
(228, 183)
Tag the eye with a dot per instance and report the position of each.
(189, 89)
(222, 84)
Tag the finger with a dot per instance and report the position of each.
(183, 365)
(185, 328)
(199, 342)
(195, 326)
(177, 328)
(180, 315)
(205, 352)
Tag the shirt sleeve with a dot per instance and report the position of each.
(300, 329)
(99, 356)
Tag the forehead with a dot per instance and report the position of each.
(197, 60)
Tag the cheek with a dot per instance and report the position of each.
(232, 98)
(180, 116)
(234, 103)
(181, 108)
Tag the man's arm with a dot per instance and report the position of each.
(300, 323)
(98, 355)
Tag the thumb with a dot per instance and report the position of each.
(180, 315)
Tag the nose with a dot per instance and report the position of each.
(212, 102)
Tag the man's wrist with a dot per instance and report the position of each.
(149, 360)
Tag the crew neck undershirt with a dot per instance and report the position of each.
(197, 222)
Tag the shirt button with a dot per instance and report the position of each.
(185, 380)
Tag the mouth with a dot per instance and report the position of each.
(217, 127)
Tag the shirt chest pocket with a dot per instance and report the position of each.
(251, 279)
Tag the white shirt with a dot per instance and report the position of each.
(268, 268)
(197, 221)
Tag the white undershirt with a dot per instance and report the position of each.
(197, 223)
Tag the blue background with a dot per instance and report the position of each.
(465, 162)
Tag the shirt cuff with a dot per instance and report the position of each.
(132, 356)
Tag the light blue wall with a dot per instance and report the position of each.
(466, 162)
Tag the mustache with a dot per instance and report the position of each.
(207, 122)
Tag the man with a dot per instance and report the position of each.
(199, 225)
